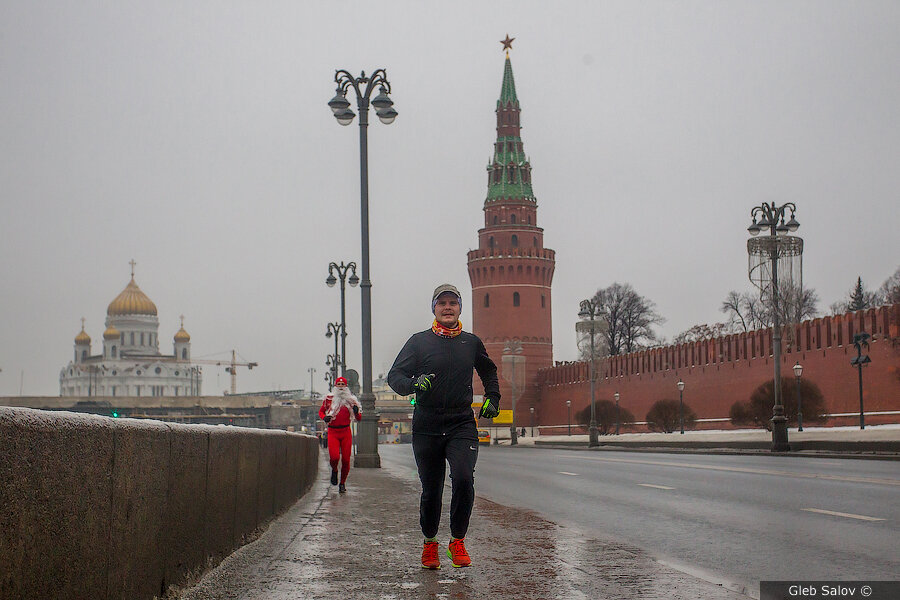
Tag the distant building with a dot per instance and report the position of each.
(130, 363)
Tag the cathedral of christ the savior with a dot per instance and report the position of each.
(130, 363)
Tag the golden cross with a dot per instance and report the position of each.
(82, 323)
(132, 263)
(182, 321)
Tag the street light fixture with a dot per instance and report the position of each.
(590, 309)
(367, 440)
(569, 418)
(774, 246)
(531, 410)
(616, 395)
(798, 371)
(680, 386)
(859, 340)
(342, 271)
(332, 330)
(512, 352)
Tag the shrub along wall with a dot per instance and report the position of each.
(95, 507)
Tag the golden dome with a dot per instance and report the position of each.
(132, 301)
(82, 337)
(111, 333)
(182, 336)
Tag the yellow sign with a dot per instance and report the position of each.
(504, 418)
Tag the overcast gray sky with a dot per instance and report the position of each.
(194, 137)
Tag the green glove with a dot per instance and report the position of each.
(490, 409)
(423, 383)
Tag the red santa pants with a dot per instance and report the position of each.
(340, 439)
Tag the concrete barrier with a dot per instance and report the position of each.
(95, 507)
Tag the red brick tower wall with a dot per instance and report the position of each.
(719, 372)
(511, 272)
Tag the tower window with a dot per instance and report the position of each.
(83, 354)
(512, 218)
(491, 241)
(535, 240)
(184, 353)
(495, 219)
(142, 338)
(529, 219)
(515, 298)
(515, 241)
(487, 300)
(113, 352)
(543, 301)
(132, 338)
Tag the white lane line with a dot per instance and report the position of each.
(840, 514)
(658, 487)
(567, 473)
(872, 480)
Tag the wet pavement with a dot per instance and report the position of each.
(366, 544)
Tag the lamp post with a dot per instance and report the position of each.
(772, 217)
(531, 410)
(590, 309)
(680, 386)
(331, 361)
(367, 456)
(332, 330)
(342, 270)
(512, 355)
(312, 397)
(859, 340)
(798, 371)
(616, 395)
(569, 418)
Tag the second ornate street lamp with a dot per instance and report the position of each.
(342, 270)
(333, 329)
(569, 418)
(680, 386)
(859, 340)
(617, 412)
(367, 441)
(591, 310)
(798, 371)
(767, 251)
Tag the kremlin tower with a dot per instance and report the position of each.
(511, 272)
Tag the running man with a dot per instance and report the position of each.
(437, 364)
(335, 411)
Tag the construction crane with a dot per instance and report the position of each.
(231, 367)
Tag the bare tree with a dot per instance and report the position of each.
(889, 291)
(702, 332)
(630, 318)
(747, 311)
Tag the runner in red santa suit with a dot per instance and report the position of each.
(335, 411)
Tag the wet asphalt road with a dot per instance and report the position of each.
(737, 519)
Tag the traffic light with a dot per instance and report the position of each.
(115, 414)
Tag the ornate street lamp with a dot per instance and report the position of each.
(531, 410)
(367, 440)
(859, 340)
(342, 271)
(590, 310)
(798, 371)
(332, 330)
(569, 418)
(617, 412)
(765, 254)
(680, 386)
(512, 356)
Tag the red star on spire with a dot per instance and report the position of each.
(507, 43)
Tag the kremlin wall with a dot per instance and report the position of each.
(719, 372)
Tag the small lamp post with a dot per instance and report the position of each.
(590, 309)
(859, 340)
(342, 271)
(333, 329)
(617, 412)
(569, 418)
(680, 386)
(798, 371)
(531, 410)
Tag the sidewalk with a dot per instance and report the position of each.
(366, 545)
(876, 441)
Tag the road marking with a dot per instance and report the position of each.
(567, 473)
(840, 514)
(659, 487)
(745, 470)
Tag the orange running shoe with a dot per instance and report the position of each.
(457, 553)
(430, 558)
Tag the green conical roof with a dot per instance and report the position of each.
(508, 89)
(509, 150)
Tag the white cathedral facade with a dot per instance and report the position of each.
(130, 363)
